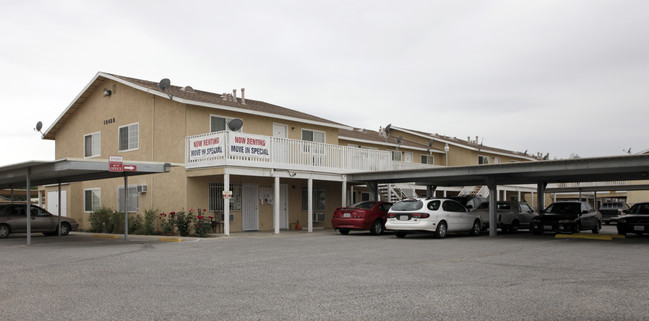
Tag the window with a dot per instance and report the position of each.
(313, 136)
(396, 155)
(427, 159)
(92, 145)
(483, 159)
(215, 197)
(496, 160)
(132, 199)
(319, 199)
(219, 123)
(129, 137)
(92, 199)
(452, 206)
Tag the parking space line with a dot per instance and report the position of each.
(604, 237)
(170, 239)
(106, 236)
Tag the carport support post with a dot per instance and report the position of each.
(58, 222)
(310, 204)
(125, 207)
(540, 190)
(493, 193)
(344, 192)
(430, 190)
(29, 206)
(276, 205)
(374, 191)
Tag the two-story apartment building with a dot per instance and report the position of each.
(280, 165)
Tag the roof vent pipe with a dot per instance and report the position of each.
(234, 95)
(243, 96)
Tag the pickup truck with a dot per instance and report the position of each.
(511, 215)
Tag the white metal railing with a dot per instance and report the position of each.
(588, 184)
(241, 149)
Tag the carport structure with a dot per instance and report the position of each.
(34, 173)
(599, 169)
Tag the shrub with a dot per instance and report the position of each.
(203, 225)
(184, 222)
(168, 223)
(135, 224)
(116, 224)
(100, 219)
(149, 220)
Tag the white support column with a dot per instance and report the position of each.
(493, 220)
(310, 204)
(344, 192)
(276, 205)
(226, 205)
(58, 221)
(351, 194)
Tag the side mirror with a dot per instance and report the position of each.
(470, 207)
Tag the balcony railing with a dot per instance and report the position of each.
(240, 149)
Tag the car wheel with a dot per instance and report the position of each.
(4, 230)
(343, 231)
(65, 229)
(597, 227)
(476, 228)
(577, 228)
(440, 232)
(514, 227)
(377, 228)
(400, 234)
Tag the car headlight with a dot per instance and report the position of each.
(566, 221)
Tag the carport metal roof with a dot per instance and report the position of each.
(633, 167)
(71, 170)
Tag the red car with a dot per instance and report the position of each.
(368, 215)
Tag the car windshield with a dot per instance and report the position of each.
(364, 205)
(564, 208)
(408, 205)
(642, 209)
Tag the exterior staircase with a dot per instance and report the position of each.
(475, 191)
(399, 192)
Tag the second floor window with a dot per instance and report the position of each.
(218, 123)
(427, 159)
(396, 155)
(129, 137)
(313, 135)
(92, 145)
(483, 159)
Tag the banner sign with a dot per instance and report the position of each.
(206, 146)
(249, 145)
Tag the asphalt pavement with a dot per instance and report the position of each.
(324, 276)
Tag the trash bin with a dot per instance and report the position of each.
(292, 226)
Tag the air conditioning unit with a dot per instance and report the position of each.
(141, 189)
(319, 217)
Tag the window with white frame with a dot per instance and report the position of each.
(427, 159)
(92, 145)
(132, 199)
(220, 123)
(129, 137)
(91, 199)
(313, 135)
(483, 159)
(319, 199)
(396, 155)
(496, 160)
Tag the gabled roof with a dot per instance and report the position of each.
(374, 137)
(467, 144)
(191, 97)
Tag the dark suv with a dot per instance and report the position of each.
(571, 217)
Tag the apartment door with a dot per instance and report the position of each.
(408, 157)
(250, 208)
(283, 206)
(280, 130)
(53, 203)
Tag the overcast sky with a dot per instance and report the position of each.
(559, 77)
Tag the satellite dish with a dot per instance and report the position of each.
(164, 84)
(235, 124)
(399, 140)
(430, 143)
(39, 126)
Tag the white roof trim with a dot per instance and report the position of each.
(437, 138)
(191, 102)
(387, 144)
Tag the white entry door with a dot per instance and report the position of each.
(53, 203)
(250, 208)
(280, 130)
(283, 206)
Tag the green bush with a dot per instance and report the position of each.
(135, 224)
(116, 224)
(149, 221)
(184, 223)
(100, 219)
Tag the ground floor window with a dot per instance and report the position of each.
(92, 199)
(215, 198)
(132, 199)
(319, 199)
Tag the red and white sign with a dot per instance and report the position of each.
(248, 145)
(130, 168)
(115, 164)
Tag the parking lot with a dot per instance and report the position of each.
(325, 276)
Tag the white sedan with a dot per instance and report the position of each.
(432, 215)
